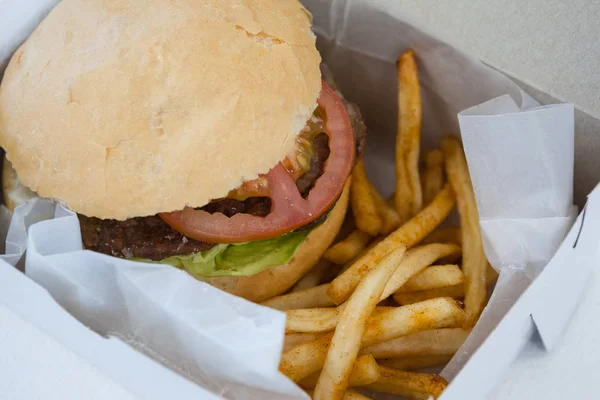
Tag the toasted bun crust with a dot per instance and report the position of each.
(277, 280)
(127, 108)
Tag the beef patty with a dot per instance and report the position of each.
(151, 238)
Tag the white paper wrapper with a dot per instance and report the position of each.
(232, 347)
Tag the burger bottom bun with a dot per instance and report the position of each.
(262, 286)
(277, 280)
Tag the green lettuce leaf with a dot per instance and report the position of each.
(242, 259)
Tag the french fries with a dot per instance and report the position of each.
(365, 371)
(349, 395)
(309, 298)
(413, 363)
(312, 277)
(415, 261)
(351, 332)
(474, 260)
(292, 340)
(415, 385)
(390, 219)
(454, 291)
(299, 362)
(430, 314)
(444, 235)
(433, 176)
(347, 249)
(346, 342)
(408, 187)
(435, 342)
(363, 204)
(319, 320)
(353, 395)
(434, 277)
(407, 235)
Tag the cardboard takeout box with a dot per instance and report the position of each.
(359, 40)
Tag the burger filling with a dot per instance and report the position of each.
(153, 239)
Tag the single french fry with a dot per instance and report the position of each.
(444, 235)
(454, 291)
(319, 320)
(347, 249)
(365, 371)
(407, 235)
(433, 176)
(474, 261)
(416, 385)
(352, 395)
(434, 277)
(292, 340)
(312, 320)
(363, 204)
(313, 277)
(409, 199)
(413, 363)
(346, 342)
(416, 261)
(390, 219)
(309, 298)
(435, 342)
(349, 395)
(299, 362)
(430, 314)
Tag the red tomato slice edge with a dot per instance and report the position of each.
(289, 211)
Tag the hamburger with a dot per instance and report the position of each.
(204, 135)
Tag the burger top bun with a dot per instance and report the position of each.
(124, 108)
(13, 192)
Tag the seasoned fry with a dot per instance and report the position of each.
(312, 277)
(352, 395)
(474, 260)
(408, 235)
(433, 176)
(347, 249)
(435, 342)
(413, 363)
(292, 340)
(444, 235)
(313, 320)
(319, 320)
(309, 298)
(349, 395)
(390, 219)
(365, 371)
(346, 342)
(434, 277)
(409, 199)
(454, 291)
(362, 201)
(430, 314)
(306, 358)
(415, 261)
(416, 385)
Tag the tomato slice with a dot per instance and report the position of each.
(289, 210)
